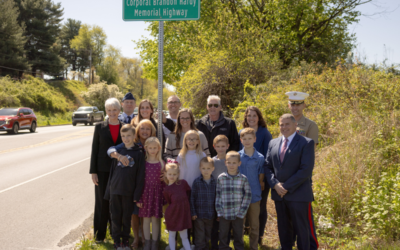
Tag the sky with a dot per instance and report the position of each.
(378, 36)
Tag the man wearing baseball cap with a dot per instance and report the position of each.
(305, 126)
(128, 107)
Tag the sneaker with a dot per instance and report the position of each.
(125, 245)
(117, 246)
(192, 247)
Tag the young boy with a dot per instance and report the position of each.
(221, 145)
(252, 166)
(232, 201)
(202, 203)
(125, 186)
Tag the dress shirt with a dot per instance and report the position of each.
(252, 167)
(290, 139)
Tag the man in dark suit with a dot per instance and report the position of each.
(289, 165)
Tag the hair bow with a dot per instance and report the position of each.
(172, 161)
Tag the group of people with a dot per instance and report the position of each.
(205, 178)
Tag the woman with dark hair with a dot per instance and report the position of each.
(185, 122)
(146, 111)
(253, 119)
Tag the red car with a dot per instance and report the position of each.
(14, 119)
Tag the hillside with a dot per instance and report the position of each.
(53, 102)
(356, 176)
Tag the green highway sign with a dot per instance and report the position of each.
(160, 10)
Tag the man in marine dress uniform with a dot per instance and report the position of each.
(306, 128)
(128, 107)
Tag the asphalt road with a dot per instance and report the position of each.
(46, 192)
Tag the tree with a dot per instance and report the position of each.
(97, 94)
(12, 40)
(307, 30)
(90, 38)
(108, 69)
(69, 30)
(42, 20)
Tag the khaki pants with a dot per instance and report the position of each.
(252, 216)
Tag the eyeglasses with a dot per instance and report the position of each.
(210, 105)
(185, 119)
(173, 103)
(192, 140)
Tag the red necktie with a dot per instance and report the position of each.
(283, 150)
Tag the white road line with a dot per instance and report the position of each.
(4, 190)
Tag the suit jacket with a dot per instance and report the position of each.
(295, 171)
(102, 141)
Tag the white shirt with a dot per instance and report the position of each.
(167, 131)
(190, 166)
(290, 139)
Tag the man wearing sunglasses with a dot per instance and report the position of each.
(215, 123)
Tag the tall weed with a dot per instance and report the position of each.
(357, 160)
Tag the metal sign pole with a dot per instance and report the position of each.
(160, 78)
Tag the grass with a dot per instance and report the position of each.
(72, 91)
(270, 241)
(50, 118)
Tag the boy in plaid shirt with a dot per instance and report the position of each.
(202, 203)
(232, 201)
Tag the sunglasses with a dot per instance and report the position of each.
(173, 103)
(211, 105)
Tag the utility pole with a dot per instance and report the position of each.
(90, 66)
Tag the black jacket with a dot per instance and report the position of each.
(170, 124)
(224, 126)
(129, 180)
(102, 141)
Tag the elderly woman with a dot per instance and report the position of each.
(185, 122)
(106, 135)
(254, 119)
(146, 111)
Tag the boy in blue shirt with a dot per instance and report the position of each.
(252, 166)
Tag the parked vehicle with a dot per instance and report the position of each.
(14, 119)
(89, 114)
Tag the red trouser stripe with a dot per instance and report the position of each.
(311, 224)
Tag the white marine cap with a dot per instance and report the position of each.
(296, 97)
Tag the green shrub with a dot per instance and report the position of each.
(97, 94)
(378, 206)
(31, 92)
(358, 114)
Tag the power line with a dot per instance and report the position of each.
(17, 69)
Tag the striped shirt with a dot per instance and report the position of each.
(233, 196)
